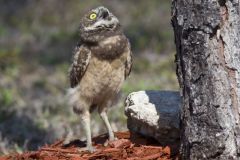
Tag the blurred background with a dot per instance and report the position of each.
(36, 42)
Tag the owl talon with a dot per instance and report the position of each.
(109, 140)
(67, 141)
(112, 138)
(106, 143)
(91, 149)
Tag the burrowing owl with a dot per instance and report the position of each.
(101, 63)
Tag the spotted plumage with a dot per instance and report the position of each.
(100, 65)
(81, 59)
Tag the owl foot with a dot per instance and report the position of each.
(112, 138)
(91, 149)
(109, 140)
(67, 141)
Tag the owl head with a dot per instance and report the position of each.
(98, 24)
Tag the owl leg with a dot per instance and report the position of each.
(103, 115)
(85, 120)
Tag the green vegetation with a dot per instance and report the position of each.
(6, 97)
(36, 41)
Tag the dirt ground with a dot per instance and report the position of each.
(129, 146)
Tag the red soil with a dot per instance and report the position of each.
(129, 146)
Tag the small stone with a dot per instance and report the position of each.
(121, 143)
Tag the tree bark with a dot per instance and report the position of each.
(207, 37)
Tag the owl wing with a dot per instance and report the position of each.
(128, 63)
(80, 63)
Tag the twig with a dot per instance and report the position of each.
(57, 143)
(157, 155)
(58, 150)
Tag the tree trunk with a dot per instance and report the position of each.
(207, 37)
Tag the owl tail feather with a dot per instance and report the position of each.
(72, 96)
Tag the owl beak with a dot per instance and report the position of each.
(105, 14)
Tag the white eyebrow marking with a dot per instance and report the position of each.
(101, 22)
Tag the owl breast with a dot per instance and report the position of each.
(103, 79)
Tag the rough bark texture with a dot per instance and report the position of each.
(154, 114)
(207, 37)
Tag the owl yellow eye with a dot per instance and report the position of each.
(93, 16)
